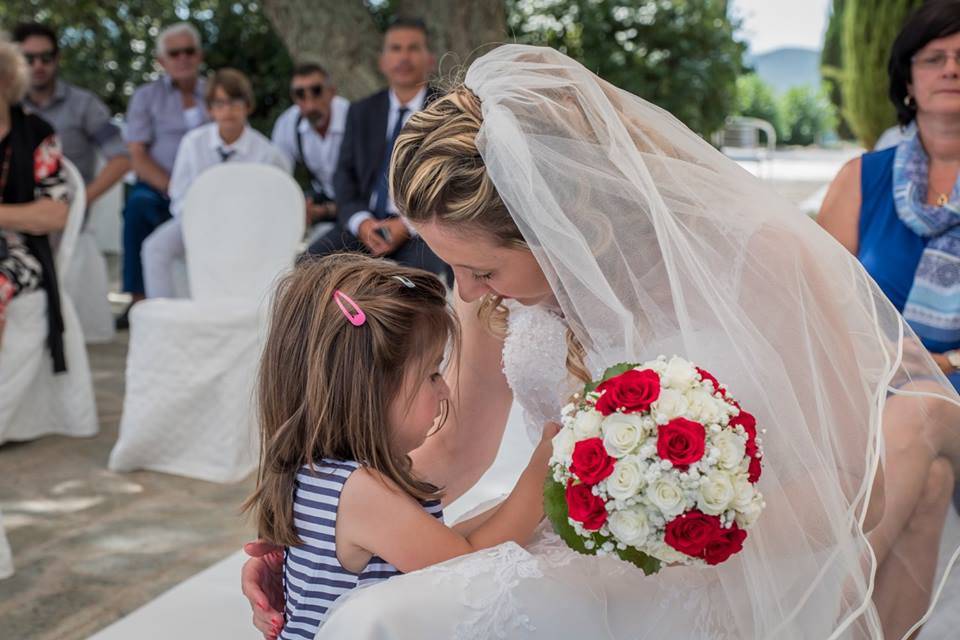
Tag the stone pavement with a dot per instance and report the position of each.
(90, 545)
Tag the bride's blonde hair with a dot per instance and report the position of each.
(437, 174)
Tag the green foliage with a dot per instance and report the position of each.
(107, 46)
(555, 508)
(679, 54)
(869, 28)
(831, 66)
(807, 114)
(755, 99)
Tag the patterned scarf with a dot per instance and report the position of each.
(933, 305)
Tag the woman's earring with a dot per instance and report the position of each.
(908, 101)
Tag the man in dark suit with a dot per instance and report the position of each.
(367, 219)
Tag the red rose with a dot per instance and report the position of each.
(681, 441)
(591, 462)
(629, 392)
(725, 543)
(753, 471)
(706, 375)
(749, 424)
(691, 532)
(584, 507)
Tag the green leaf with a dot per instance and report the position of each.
(617, 369)
(555, 507)
(648, 564)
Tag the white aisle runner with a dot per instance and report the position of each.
(210, 605)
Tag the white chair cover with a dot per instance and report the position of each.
(105, 217)
(33, 401)
(87, 285)
(6, 557)
(191, 365)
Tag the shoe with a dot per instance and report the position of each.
(122, 322)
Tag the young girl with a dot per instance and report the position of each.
(350, 383)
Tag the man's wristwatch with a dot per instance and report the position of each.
(953, 357)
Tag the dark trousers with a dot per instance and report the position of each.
(146, 209)
(412, 253)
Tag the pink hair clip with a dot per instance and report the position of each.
(357, 317)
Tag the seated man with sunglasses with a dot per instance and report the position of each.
(310, 133)
(80, 118)
(158, 116)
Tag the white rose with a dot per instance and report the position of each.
(626, 479)
(716, 493)
(731, 447)
(679, 374)
(665, 553)
(743, 492)
(671, 404)
(665, 494)
(629, 526)
(704, 407)
(563, 444)
(622, 433)
(587, 424)
(749, 514)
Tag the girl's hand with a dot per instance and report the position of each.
(261, 580)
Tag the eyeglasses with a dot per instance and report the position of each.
(185, 51)
(46, 57)
(936, 60)
(232, 102)
(300, 93)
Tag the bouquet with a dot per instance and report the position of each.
(656, 463)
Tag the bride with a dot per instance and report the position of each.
(587, 227)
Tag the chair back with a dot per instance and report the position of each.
(78, 208)
(242, 225)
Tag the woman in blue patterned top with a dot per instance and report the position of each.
(898, 210)
(350, 383)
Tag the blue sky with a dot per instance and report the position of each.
(771, 24)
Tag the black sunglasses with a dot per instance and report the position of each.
(186, 51)
(45, 57)
(299, 93)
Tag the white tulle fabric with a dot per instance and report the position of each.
(654, 243)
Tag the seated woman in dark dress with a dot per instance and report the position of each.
(32, 200)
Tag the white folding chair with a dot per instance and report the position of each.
(191, 364)
(33, 400)
(88, 282)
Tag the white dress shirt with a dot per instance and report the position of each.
(412, 106)
(201, 149)
(320, 152)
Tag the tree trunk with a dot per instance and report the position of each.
(460, 30)
(342, 36)
(338, 34)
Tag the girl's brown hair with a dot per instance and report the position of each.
(325, 386)
(437, 174)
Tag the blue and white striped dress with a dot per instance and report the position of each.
(312, 575)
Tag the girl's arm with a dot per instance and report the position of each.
(376, 516)
(465, 447)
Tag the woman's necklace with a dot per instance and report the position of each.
(943, 199)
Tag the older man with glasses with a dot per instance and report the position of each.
(80, 118)
(158, 116)
(310, 133)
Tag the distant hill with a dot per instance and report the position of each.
(786, 68)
